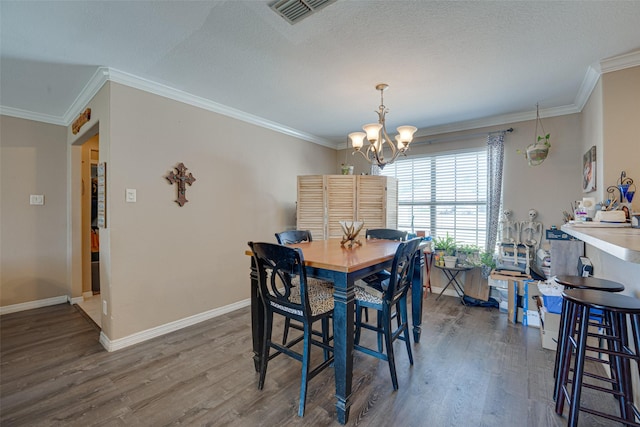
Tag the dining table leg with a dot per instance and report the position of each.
(417, 293)
(343, 329)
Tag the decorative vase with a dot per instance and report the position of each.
(450, 261)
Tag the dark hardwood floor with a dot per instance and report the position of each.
(472, 368)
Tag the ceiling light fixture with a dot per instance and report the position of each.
(376, 134)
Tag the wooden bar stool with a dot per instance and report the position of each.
(616, 309)
(575, 282)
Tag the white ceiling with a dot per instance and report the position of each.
(450, 64)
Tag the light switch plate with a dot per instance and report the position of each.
(130, 195)
(36, 199)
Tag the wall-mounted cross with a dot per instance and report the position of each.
(182, 179)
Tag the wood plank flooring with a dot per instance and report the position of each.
(472, 368)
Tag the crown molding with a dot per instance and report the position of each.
(30, 115)
(130, 80)
(496, 120)
(620, 62)
(104, 74)
(95, 83)
(589, 82)
(505, 119)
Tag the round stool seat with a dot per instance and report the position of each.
(580, 282)
(603, 300)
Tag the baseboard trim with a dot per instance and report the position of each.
(14, 308)
(76, 300)
(138, 337)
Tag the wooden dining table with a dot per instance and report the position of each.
(327, 259)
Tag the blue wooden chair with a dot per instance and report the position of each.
(386, 233)
(287, 238)
(293, 236)
(390, 302)
(277, 266)
(374, 280)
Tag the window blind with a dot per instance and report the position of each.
(443, 193)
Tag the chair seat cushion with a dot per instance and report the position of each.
(367, 295)
(320, 296)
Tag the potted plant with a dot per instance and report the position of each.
(446, 245)
(467, 254)
(487, 263)
(346, 169)
(538, 151)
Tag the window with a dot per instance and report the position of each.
(443, 193)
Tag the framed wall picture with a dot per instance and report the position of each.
(589, 170)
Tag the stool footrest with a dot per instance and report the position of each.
(610, 417)
(626, 352)
(602, 389)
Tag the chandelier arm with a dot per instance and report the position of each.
(387, 138)
(363, 155)
(375, 155)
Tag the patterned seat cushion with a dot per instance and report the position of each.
(320, 296)
(363, 294)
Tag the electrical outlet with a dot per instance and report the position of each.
(104, 307)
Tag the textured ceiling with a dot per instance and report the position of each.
(450, 62)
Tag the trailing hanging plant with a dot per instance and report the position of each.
(537, 152)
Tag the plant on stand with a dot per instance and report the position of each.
(467, 254)
(447, 247)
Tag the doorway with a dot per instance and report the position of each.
(91, 299)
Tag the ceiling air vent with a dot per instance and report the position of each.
(295, 11)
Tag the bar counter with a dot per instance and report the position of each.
(623, 243)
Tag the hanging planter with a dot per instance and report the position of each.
(537, 152)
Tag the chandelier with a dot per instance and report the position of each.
(376, 134)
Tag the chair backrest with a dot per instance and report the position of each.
(402, 270)
(386, 234)
(293, 236)
(277, 265)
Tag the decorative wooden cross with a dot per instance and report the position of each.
(181, 178)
